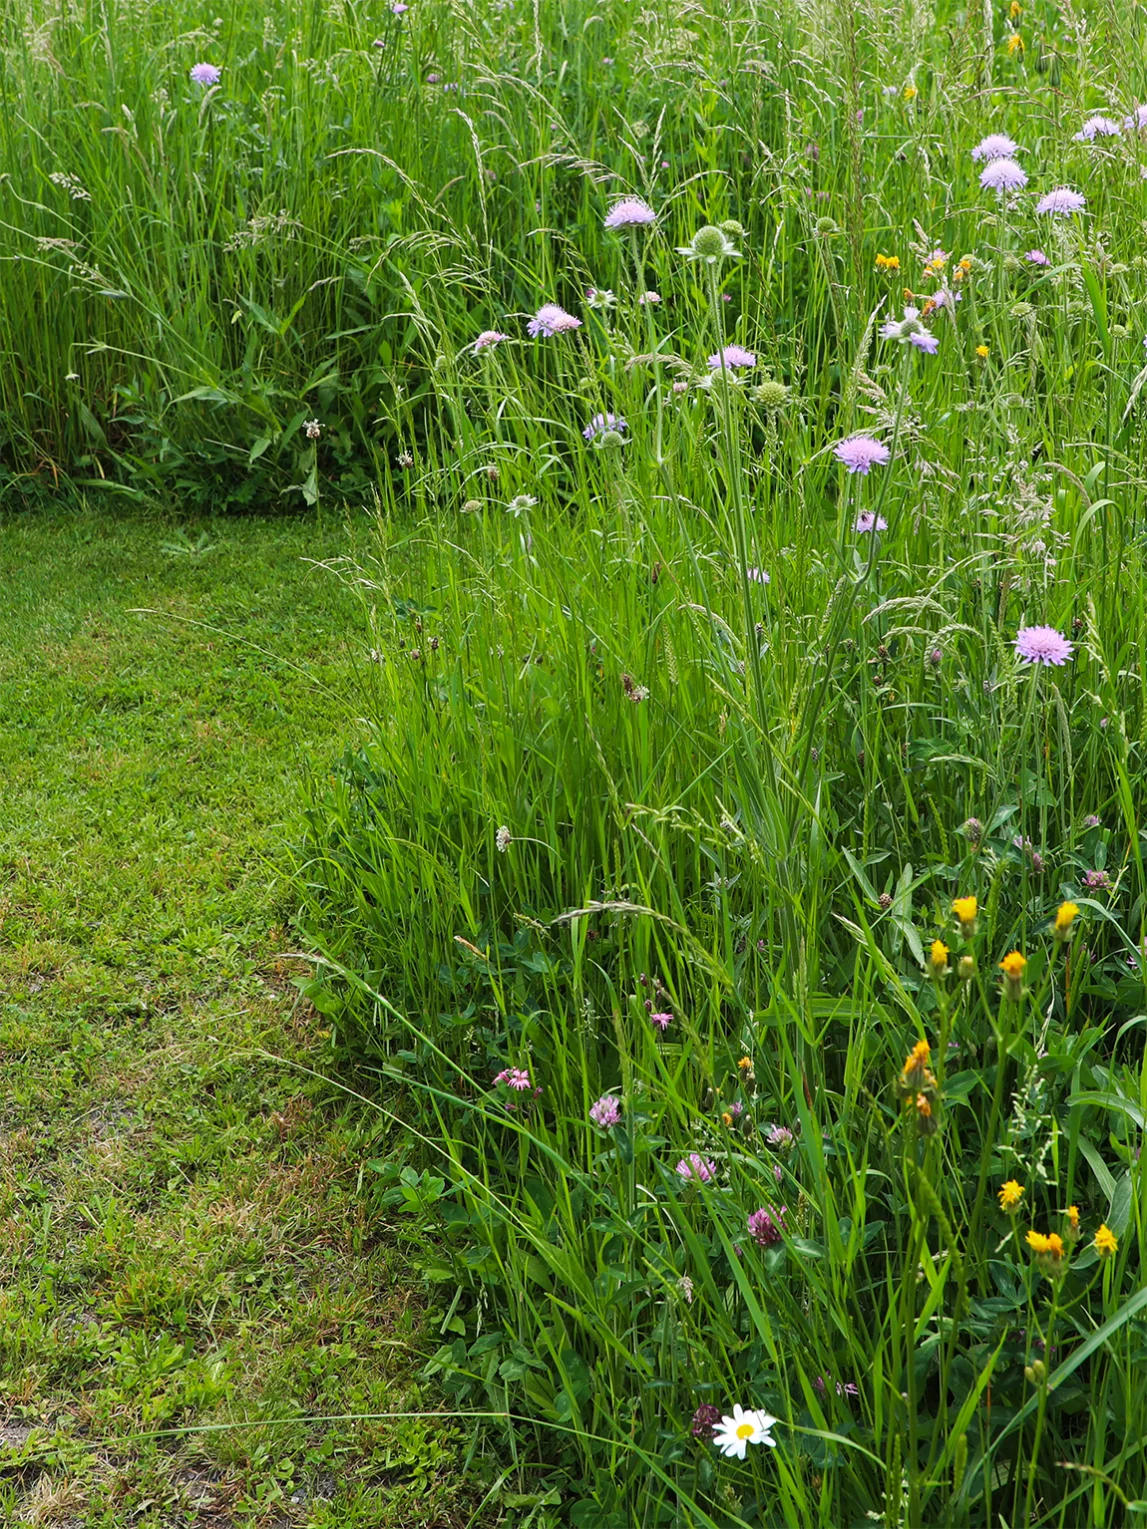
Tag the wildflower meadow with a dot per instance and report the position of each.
(734, 901)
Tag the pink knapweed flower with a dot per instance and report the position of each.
(995, 146)
(696, 1169)
(732, 356)
(606, 1113)
(551, 319)
(860, 453)
(1003, 175)
(1062, 201)
(630, 212)
(205, 74)
(1042, 645)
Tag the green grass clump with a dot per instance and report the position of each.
(613, 772)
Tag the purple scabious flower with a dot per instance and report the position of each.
(205, 74)
(606, 1113)
(1137, 120)
(488, 338)
(757, 576)
(1036, 257)
(732, 356)
(696, 1168)
(1003, 175)
(1042, 645)
(925, 341)
(764, 1229)
(860, 453)
(705, 1420)
(995, 146)
(551, 319)
(1063, 201)
(630, 212)
(398, 7)
(1097, 127)
(602, 422)
(868, 520)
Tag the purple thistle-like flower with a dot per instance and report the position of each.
(1036, 257)
(1003, 175)
(860, 453)
(662, 1021)
(868, 520)
(764, 1229)
(1042, 645)
(995, 146)
(696, 1168)
(602, 422)
(1097, 127)
(205, 74)
(488, 338)
(606, 1113)
(926, 341)
(551, 319)
(732, 356)
(630, 212)
(1062, 201)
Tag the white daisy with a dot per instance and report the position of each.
(733, 1435)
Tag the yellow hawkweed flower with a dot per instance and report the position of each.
(1066, 915)
(962, 268)
(910, 92)
(983, 352)
(1037, 1242)
(1015, 9)
(1049, 1252)
(938, 958)
(915, 1069)
(1010, 1196)
(966, 909)
(888, 262)
(925, 1118)
(1012, 967)
(1015, 44)
(726, 1119)
(909, 295)
(1105, 1243)
(745, 1064)
(1072, 1214)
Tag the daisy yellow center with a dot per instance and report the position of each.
(745, 1430)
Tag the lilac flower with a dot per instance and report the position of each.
(602, 422)
(1097, 127)
(695, 1168)
(944, 297)
(995, 146)
(606, 1113)
(1036, 257)
(205, 74)
(757, 576)
(1003, 175)
(910, 328)
(860, 453)
(1096, 881)
(1091, 820)
(1063, 200)
(705, 1420)
(925, 341)
(630, 212)
(764, 1230)
(842, 1389)
(1042, 645)
(731, 356)
(662, 1021)
(488, 338)
(649, 297)
(398, 7)
(551, 319)
(1137, 120)
(868, 520)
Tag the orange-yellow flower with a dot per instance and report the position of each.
(983, 352)
(745, 1064)
(1012, 967)
(966, 909)
(1066, 915)
(910, 92)
(1072, 1214)
(1037, 1242)
(888, 263)
(1015, 44)
(938, 958)
(1105, 1243)
(1010, 1196)
(915, 1069)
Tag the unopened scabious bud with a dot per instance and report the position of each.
(711, 245)
(966, 968)
(826, 226)
(771, 394)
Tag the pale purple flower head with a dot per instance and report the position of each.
(1096, 881)
(868, 520)
(924, 340)
(1042, 645)
(1097, 127)
(1137, 120)
(1092, 820)
(630, 212)
(757, 576)
(1003, 175)
(732, 356)
(551, 319)
(606, 1113)
(765, 1227)
(860, 453)
(705, 1420)
(1036, 257)
(487, 339)
(662, 1021)
(205, 74)
(696, 1169)
(602, 422)
(1063, 201)
(780, 1138)
(398, 7)
(995, 146)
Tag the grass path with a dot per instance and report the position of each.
(182, 1236)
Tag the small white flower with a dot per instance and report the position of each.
(503, 838)
(685, 1286)
(733, 1435)
(312, 429)
(520, 504)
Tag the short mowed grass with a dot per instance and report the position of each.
(183, 1240)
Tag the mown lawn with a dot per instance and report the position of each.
(183, 1237)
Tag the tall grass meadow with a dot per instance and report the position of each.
(739, 901)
